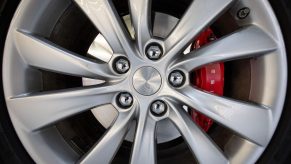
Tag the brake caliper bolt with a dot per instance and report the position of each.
(124, 100)
(243, 13)
(158, 108)
(121, 65)
(154, 51)
(177, 78)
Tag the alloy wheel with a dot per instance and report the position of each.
(146, 79)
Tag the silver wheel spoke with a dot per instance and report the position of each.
(199, 143)
(141, 18)
(105, 150)
(48, 56)
(199, 15)
(248, 42)
(251, 121)
(104, 16)
(43, 109)
(144, 148)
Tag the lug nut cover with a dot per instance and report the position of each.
(121, 65)
(177, 78)
(154, 51)
(158, 108)
(124, 100)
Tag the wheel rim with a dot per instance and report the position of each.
(33, 126)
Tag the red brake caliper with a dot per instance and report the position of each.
(209, 78)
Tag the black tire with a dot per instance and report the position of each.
(12, 150)
(278, 151)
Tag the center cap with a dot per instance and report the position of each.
(147, 81)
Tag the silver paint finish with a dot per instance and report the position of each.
(104, 150)
(189, 26)
(199, 143)
(56, 58)
(252, 42)
(163, 24)
(140, 11)
(107, 21)
(34, 113)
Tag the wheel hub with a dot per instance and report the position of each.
(147, 81)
